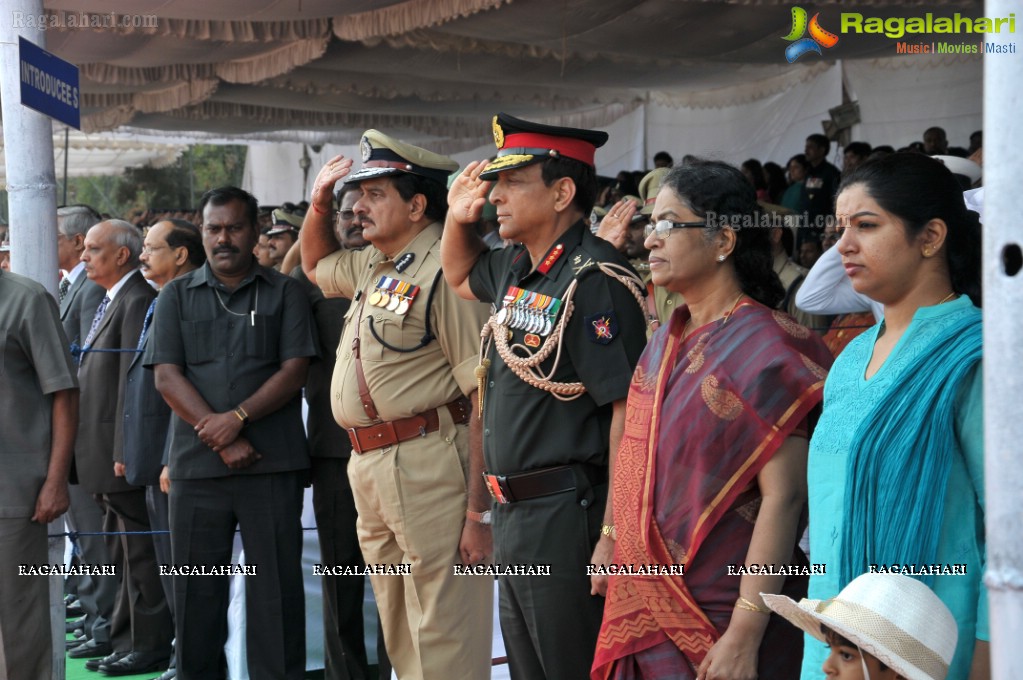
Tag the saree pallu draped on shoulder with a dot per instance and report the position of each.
(704, 416)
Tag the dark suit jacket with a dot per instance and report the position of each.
(146, 423)
(103, 376)
(79, 306)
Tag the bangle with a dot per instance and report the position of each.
(609, 530)
(743, 603)
(318, 210)
(240, 413)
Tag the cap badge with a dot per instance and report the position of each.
(366, 148)
(498, 133)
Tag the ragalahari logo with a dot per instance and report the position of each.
(818, 36)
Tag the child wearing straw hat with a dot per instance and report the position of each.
(880, 627)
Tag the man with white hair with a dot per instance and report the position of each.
(111, 258)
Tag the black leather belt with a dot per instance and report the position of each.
(523, 486)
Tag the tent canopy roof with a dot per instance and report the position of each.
(431, 70)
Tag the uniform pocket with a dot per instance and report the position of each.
(200, 339)
(263, 341)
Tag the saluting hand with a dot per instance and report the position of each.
(468, 194)
(615, 225)
(322, 195)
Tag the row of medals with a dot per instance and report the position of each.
(393, 295)
(528, 311)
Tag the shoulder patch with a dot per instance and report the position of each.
(602, 328)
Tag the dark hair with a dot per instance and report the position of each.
(408, 185)
(224, 195)
(344, 191)
(716, 187)
(861, 149)
(664, 157)
(837, 640)
(916, 189)
(801, 159)
(820, 141)
(753, 166)
(187, 235)
(582, 175)
(775, 178)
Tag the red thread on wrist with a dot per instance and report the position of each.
(316, 208)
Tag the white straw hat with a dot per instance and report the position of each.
(892, 617)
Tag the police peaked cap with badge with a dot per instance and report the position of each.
(383, 156)
(521, 143)
(283, 222)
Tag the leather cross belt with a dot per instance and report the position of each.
(392, 432)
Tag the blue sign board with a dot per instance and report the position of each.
(49, 84)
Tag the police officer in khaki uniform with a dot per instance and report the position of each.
(566, 337)
(404, 370)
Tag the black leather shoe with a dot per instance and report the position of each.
(168, 674)
(90, 650)
(135, 663)
(71, 625)
(94, 664)
(74, 609)
(77, 638)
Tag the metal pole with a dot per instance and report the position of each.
(66, 149)
(1003, 354)
(28, 145)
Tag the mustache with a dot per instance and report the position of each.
(225, 249)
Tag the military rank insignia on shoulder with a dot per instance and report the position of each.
(394, 295)
(602, 328)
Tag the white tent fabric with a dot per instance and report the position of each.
(434, 71)
(103, 154)
(896, 103)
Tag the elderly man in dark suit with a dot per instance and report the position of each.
(79, 298)
(111, 258)
(171, 248)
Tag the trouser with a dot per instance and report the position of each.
(343, 629)
(141, 600)
(26, 645)
(203, 516)
(95, 593)
(411, 500)
(550, 623)
(158, 509)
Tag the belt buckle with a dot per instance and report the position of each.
(493, 483)
(353, 436)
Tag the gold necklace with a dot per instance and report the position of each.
(947, 298)
(725, 318)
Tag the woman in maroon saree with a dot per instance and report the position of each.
(711, 471)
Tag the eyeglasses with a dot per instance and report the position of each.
(346, 215)
(149, 250)
(663, 228)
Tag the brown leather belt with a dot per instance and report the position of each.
(394, 431)
(536, 483)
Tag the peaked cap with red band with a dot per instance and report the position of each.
(521, 143)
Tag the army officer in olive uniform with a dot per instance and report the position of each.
(554, 403)
(405, 366)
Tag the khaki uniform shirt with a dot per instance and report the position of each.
(665, 302)
(402, 384)
(792, 275)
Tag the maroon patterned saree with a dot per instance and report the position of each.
(704, 416)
